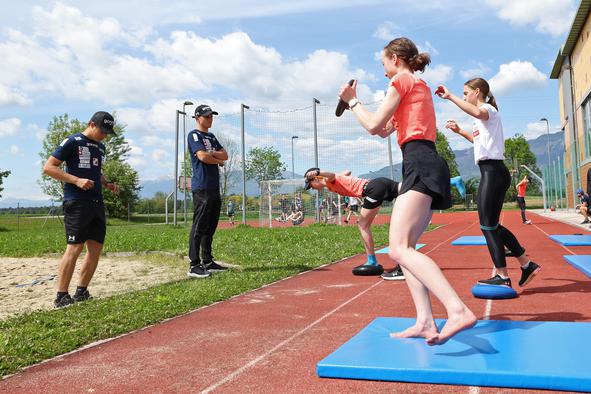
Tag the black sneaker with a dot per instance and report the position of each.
(215, 267)
(63, 302)
(198, 271)
(585, 221)
(395, 274)
(496, 281)
(83, 296)
(528, 273)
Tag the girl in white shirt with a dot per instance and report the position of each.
(489, 149)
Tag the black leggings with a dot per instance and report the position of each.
(521, 203)
(494, 182)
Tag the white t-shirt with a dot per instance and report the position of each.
(353, 201)
(489, 142)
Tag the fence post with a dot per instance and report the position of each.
(315, 123)
(243, 144)
(176, 163)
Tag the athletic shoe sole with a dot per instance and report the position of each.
(392, 277)
(529, 278)
(192, 275)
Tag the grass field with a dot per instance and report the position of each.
(264, 255)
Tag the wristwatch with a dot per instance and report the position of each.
(353, 102)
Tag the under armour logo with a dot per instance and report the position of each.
(71, 237)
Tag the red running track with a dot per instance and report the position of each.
(269, 340)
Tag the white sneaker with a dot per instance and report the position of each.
(527, 222)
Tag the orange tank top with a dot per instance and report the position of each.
(414, 119)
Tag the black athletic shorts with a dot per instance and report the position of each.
(378, 190)
(84, 220)
(354, 208)
(424, 171)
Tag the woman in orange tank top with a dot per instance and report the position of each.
(408, 110)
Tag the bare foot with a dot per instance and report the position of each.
(453, 325)
(417, 331)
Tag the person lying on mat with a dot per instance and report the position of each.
(374, 192)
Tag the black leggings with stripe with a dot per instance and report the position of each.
(494, 182)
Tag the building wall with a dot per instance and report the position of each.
(580, 61)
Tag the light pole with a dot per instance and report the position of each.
(547, 144)
(185, 159)
(548, 140)
(293, 137)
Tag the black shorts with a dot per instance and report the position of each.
(354, 208)
(424, 171)
(84, 220)
(378, 190)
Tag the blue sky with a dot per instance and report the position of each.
(142, 59)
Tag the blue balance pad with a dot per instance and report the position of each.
(387, 249)
(572, 240)
(470, 240)
(497, 353)
(580, 262)
(493, 292)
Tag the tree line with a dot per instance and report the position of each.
(262, 163)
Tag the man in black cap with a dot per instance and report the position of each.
(206, 155)
(84, 211)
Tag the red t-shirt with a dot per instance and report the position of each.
(414, 118)
(521, 186)
(347, 185)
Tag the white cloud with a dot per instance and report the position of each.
(12, 97)
(427, 47)
(535, 129)
(515, 76)
(159, 154)
(136, 67)
(15, 150)
(437, 75)
(446, 110)
(39, 132)
(478, 70)
(387, 31)
(9, 127)
(136, 155)
(553, 17)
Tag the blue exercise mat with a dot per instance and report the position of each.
(581, 262)
(572, 240)
(387, 249)
(470, 240)
(496, 353)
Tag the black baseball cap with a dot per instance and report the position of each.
(104, 121)
(204, 110)
(307, 181)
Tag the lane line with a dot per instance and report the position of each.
(253, 362)
(548, 235)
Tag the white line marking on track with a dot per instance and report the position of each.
(564, 247)
(237, 372)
